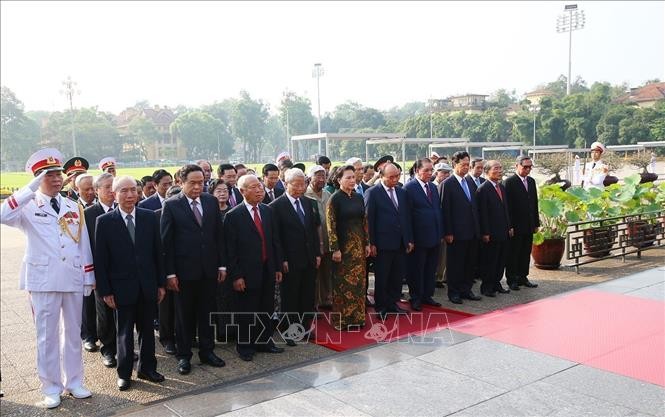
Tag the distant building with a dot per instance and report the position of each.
(470, 103)
(536, 96)
(646, 96)
(167, 147)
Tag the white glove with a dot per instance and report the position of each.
(34, 184)
(87, 290)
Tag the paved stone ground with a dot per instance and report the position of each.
(21, 385)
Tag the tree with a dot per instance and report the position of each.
(202, 135)
(142, 131)
(300, 119)
(502, 98)
(19, 134)
(248, 122)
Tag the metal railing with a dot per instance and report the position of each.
(595, 240)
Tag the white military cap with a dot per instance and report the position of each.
(598, 145)
(48, 159)
(106, 163)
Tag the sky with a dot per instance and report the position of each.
(379, 54)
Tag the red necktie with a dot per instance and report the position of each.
(429, 192)
(259, 227)
(498, 191)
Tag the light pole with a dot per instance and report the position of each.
(287, 98)
(568, 22)
(69, 91)
(535, 110)
(317, 73)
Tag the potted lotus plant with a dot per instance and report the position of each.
(594, 204)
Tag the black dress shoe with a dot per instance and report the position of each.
(489, 294)
(528, 284)
(109, 361)
(271, 349)
(90, 347)
(514, 287)
(245, 356)
(456, 299)
(431, 302)
(502, 290)
(471, 296)
(124, 384)
(152, 376)
(184, 367)
(169, 348)
(397, 309)
(416, 306)
(213, 360)
(290, 342)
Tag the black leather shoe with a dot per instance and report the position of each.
(184, 367)
(431, 302)
(109, 361)
(471, 296)
(90, 347)
(290, 342)
(416, 306)
(247, 357)
(271, 349)
(152, 376)
(502, 290)
(398, 310)
(514, 287)
(528, 284)
(124, 384)
(489, 294)
(213, 360)
(169, 348)
(455, 299)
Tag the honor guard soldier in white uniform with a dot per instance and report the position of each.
(596, 170)
(107, 165)
(57, 270)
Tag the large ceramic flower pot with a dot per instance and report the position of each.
(599, 241)
(548, 254)
(641, 233)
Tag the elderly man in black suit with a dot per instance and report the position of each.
(130, 278)
(495, 229)
(523, 208)
(105, 323)
(460, 224)
(254, 266)
(193, 240)
(297, 222)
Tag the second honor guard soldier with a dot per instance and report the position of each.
(107, 165)
(57, 271)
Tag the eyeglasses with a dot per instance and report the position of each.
(527, 166)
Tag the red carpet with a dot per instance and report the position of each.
(376, 331)
(617, 333)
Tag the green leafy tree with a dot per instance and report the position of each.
(248, 123)
(19, 134)
(142, 131)
(201, 134)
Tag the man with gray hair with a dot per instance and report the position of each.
(297, 224)
(86, 190)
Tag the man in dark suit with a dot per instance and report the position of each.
(229, 174)
(427, 233)
(194, 252)
(105, 325)
(296, 223)
(163, 181)
(130, 278)
(494, 229)
(254, 265)
(390, 238)
(460, 224)
(523, 208)
(270, 179)
(476, 174)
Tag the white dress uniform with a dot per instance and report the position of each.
(57, 270)
(594, 174)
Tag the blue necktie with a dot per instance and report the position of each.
(359, 189)
(465, 187)
(300, 212)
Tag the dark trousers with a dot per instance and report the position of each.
(460, 264)
(89, 319)
(422, 266)
(388, 273)
(193, 304)
(493, 262)
(167, 319)
(519, 258)
(298, 295)
(106, 330)
(142, 316)
(253, 308)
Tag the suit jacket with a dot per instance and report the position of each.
(389, 227)
(127, 269)
(91, 214)
(522, 205)
(493, 213)
(191, 251)
(425, 214)
(460, 216)
(277, 191)
(237, 194)
(299, 243)
(472, 183)
(243, 245)
(151, 203)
